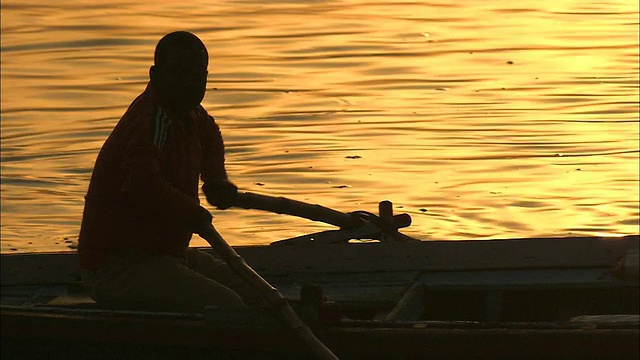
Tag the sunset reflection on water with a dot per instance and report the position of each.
(484, 119)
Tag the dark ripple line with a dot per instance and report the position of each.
(314, 112)
(58, 109)
(577, 95)
(395, 80)
(306, 35)
(27, 6)
(596, 121)
(8, 180)
(589, 13)
(324, 56)
(411, 3)
(18, 158)
(267, 90)
(101, 87)
(85, 133)
(76, 44)
(544, 156)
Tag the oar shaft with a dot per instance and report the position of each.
(271, 294)
(281, 205)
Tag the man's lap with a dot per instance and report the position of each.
(162, 282)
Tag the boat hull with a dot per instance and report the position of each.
(493, 299)
(159, 336)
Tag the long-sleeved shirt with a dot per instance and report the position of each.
(143, 191)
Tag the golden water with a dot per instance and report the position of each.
(481, 119)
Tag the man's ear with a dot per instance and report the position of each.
(152, 72)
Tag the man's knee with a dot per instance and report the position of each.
(201, 261)
(221, 297)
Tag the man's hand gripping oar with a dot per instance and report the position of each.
(271, 294)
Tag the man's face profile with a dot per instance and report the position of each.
(181, 80)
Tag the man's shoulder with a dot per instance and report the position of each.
(202, 117)
(143, 107)
(200, 113)
(138, 118)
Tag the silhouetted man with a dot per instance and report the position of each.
(142, 204)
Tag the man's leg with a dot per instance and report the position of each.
(219, 271)
(159, 283)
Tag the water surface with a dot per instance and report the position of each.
(481, 119)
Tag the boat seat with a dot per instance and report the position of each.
(76, 297)
(84, 301)
(72, 299)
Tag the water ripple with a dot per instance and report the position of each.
(495, 129)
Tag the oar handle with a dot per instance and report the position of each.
(271, 294)
(282, 205)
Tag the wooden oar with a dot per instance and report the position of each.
(271, 294)
(355, 225)
(282, 205)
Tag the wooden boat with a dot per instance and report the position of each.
(517, 298)
(575, 297)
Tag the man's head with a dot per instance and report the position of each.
(179, 73)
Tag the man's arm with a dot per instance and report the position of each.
(219, 191)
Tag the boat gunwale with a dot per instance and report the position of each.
(443, 255)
